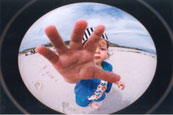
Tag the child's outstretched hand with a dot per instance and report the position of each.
(76, 63)
(121, 85)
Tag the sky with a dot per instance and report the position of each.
(121, 27)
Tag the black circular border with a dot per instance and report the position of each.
(20, 23)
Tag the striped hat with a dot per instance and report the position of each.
(89, 31)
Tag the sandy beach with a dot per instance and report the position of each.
(136, 68)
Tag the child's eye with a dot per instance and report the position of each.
(103, 48)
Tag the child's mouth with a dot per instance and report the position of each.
(96, 57)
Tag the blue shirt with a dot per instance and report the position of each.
(86, 88)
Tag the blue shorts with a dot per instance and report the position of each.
(85, 102)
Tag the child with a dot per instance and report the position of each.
(93, 90)
(76, 63)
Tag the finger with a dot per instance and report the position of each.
(91, 44)
(107, 76)
(48, 54)
(56, 39)
(77, 34)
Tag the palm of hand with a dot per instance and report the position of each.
(73, 65)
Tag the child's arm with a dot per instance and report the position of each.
(109, 86)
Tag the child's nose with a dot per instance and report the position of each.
(97, 51)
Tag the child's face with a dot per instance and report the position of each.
(101, 52)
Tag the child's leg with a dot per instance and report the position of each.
(95, 105)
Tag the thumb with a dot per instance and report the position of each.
(105, 75)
